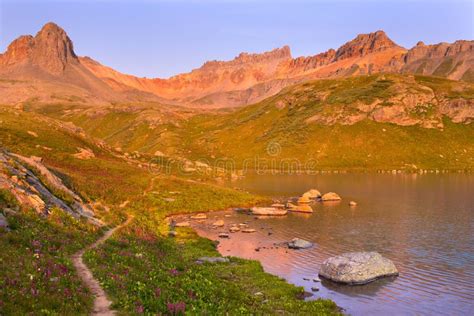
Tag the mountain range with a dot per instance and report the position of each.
(45, 68)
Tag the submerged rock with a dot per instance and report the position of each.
(268, 211)
(297, 243)
(302, 208)
(212, 259)
(234, 229)
(352, 203)
(278, 205)
(357, 268)
(223, 235)
(248, 230)
(331, 196)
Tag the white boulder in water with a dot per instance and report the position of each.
(270, 211)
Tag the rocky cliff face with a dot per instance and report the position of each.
(51, 50)
(365, 44)
(454, 61)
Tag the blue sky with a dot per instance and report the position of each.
(163, 38)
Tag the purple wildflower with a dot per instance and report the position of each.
(176, 308)
(139, 308)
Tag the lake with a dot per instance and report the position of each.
(423, 223)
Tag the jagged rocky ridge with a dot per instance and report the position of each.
(49, 56)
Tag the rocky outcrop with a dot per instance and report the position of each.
(357, 268)
(443, 59)
(36, 187)
(365, 44)
(51, 50)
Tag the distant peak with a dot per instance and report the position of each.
(247, 58)
(51, 27)
(365, 44)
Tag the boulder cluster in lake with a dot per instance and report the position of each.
(301, 204)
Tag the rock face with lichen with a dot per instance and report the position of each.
(357, 268)
(35, 186)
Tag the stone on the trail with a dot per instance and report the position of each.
(212, 259)
(302, 208)
(312, 194)
(352, 203)
(218, 223)
(297, 243)
(3, 221)
(199, 216)
(304, 200)
(182, 224)
(169, 199)
(331, 196)
(172, 233)
(357, 268)
(243, 225)
(248, 230)
(268, 211)
(234, 229)
(314, 289)
(223, 235)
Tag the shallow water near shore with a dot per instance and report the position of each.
(424, 223)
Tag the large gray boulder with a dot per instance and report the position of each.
(357, 268)
(212, 260)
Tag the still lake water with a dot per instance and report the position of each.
(424, 223)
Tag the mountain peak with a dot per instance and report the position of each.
(365, 44)
(51, 50)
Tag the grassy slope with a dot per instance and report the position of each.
(246, 133)
(37, 275)
(111, 181)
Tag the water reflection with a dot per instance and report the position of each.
(424, 223)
